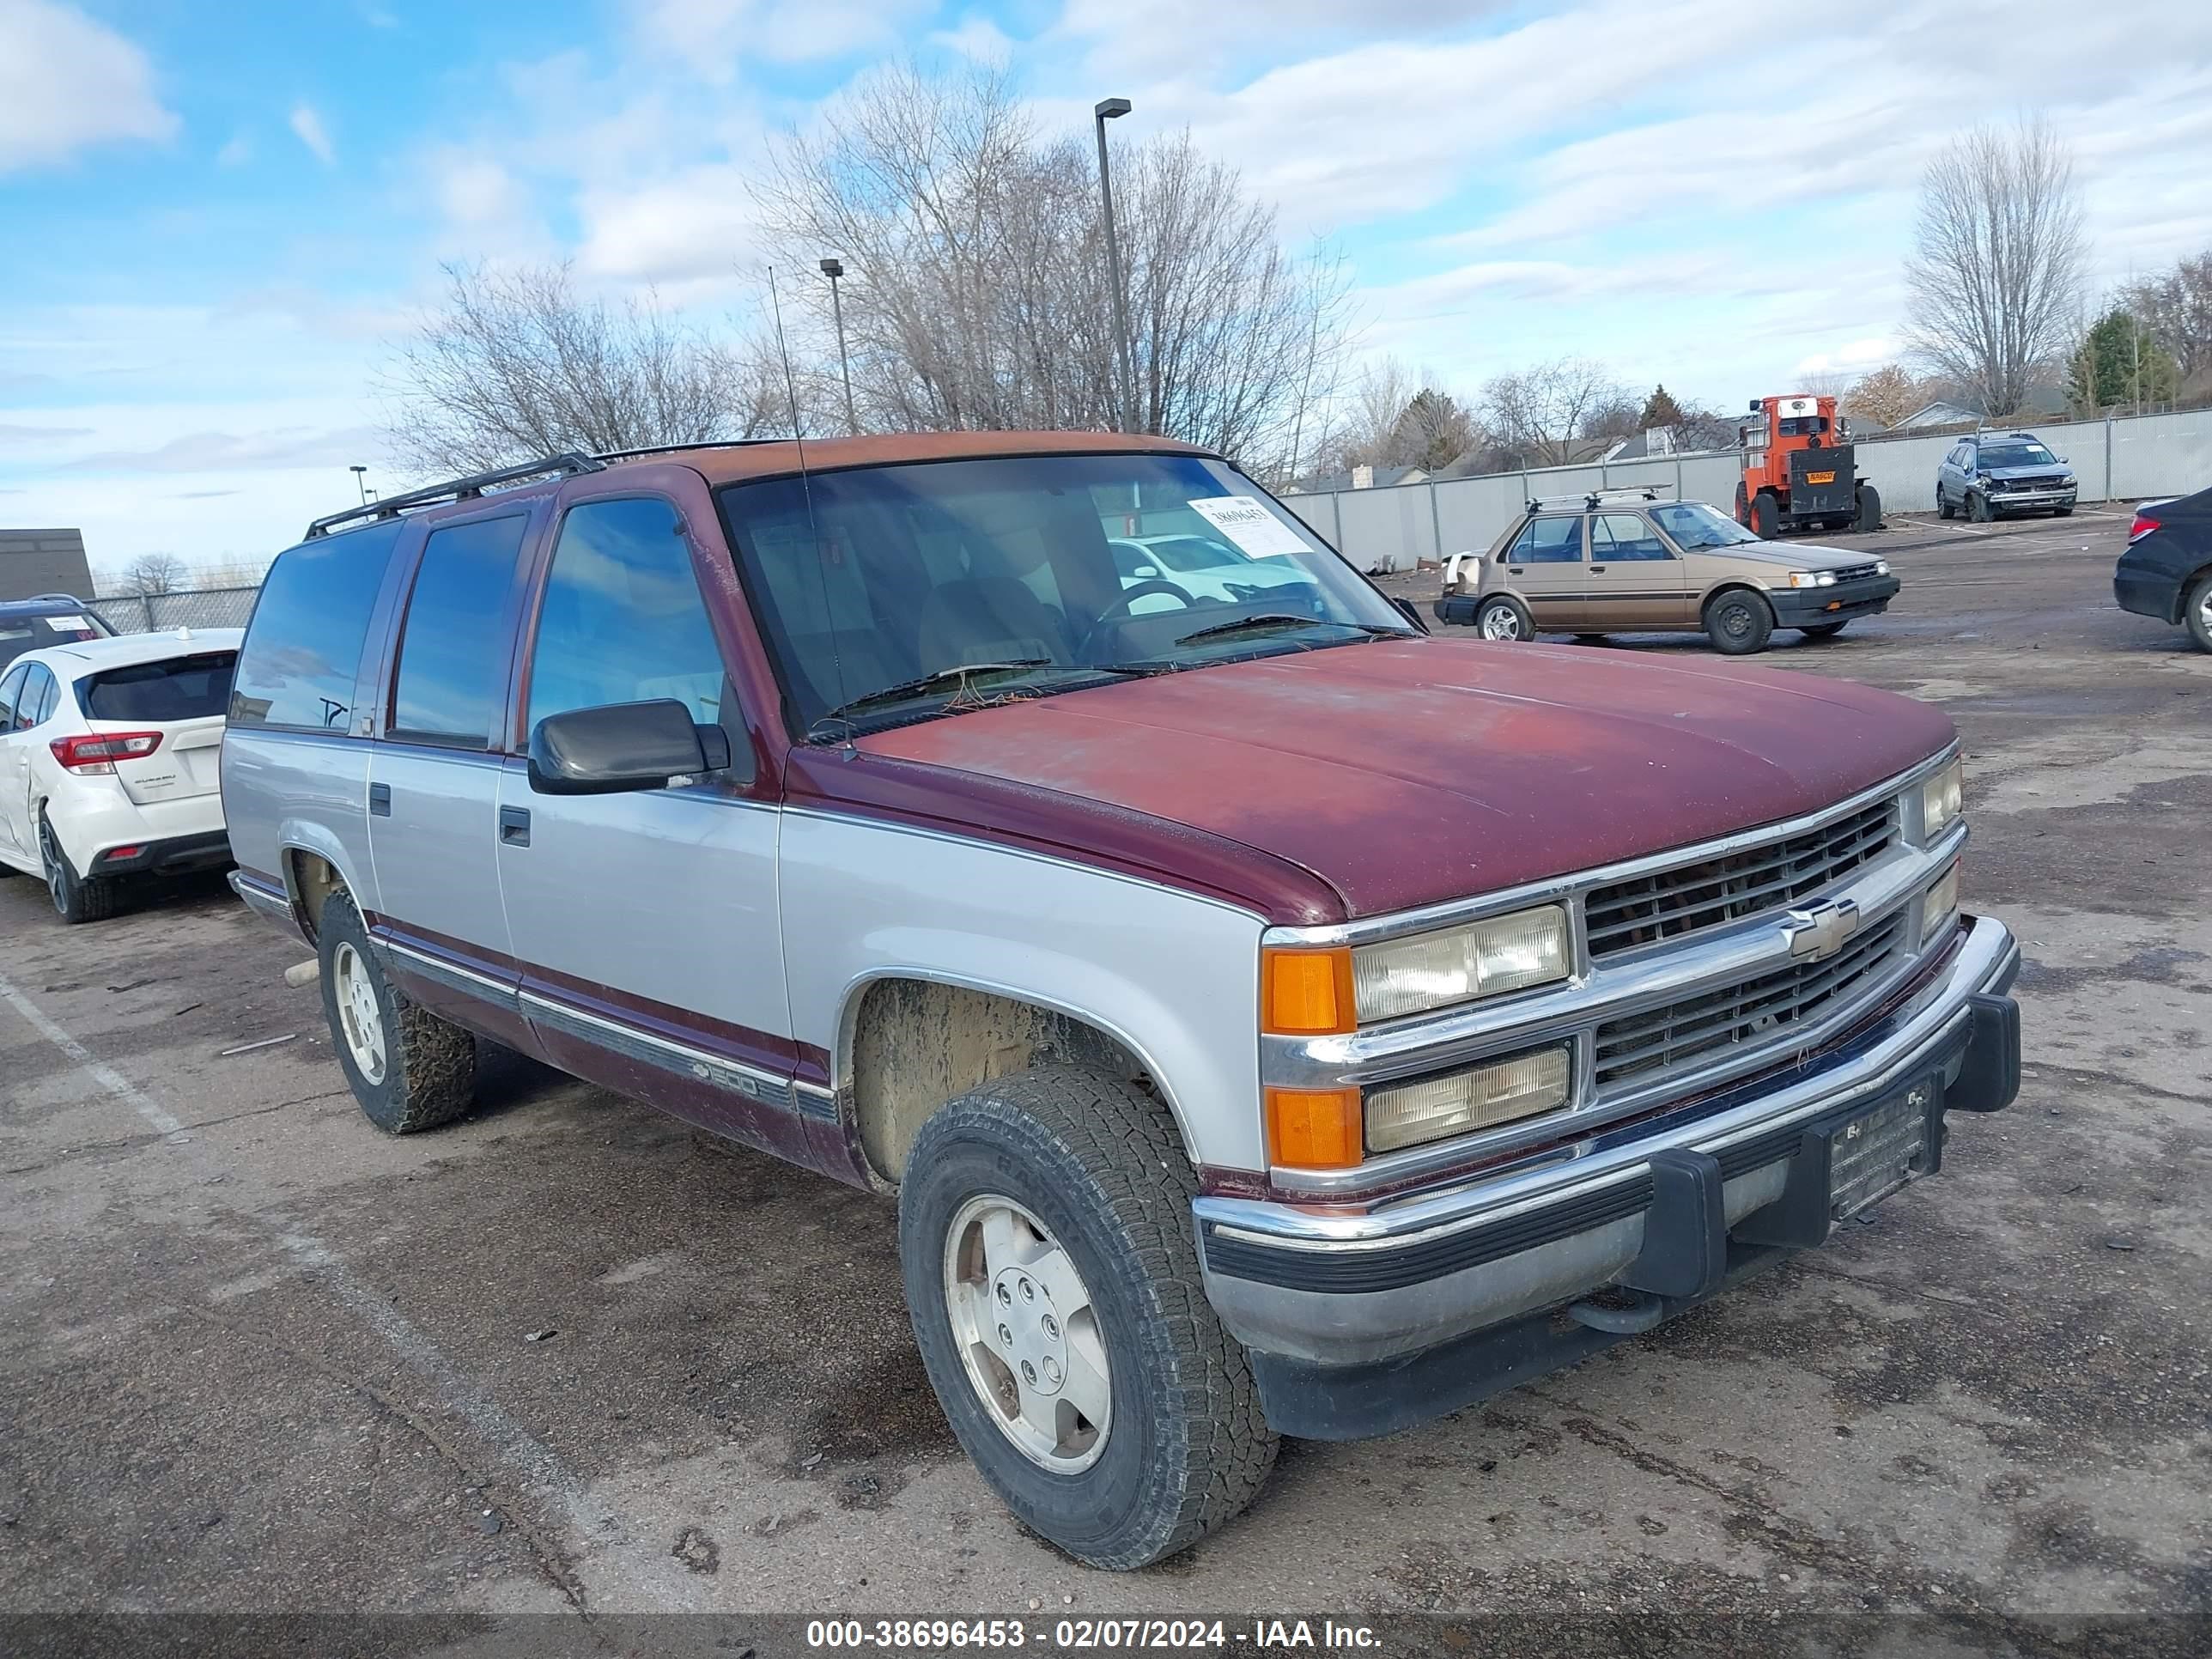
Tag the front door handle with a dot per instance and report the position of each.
(515, 826)
(1514, 570)
(1597, 570)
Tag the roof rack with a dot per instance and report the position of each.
(35, 598)
(1588, 500)
(671, 449)
(456, 489)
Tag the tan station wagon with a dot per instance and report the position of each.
(1591, 565)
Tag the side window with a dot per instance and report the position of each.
(1624, 536)
(1550, 541)
(11, 692)
(622, 621)
(304, 644)
(36, 699)
(453, 666)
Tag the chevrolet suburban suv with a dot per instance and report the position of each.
(1271, 1019)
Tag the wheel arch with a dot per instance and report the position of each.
(1735, 585)
(314, 864)
(909, 1038)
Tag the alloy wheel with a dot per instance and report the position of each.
(1029, 1337)
(50, 856)
(1501, 622)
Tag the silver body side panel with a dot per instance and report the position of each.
(1174, 978)
(283, 791)
(436, 854)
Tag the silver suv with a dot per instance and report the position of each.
(1992, 474)
(1271, 1019)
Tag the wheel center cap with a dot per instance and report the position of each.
(1029, 1330)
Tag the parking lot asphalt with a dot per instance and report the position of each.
(257, 1356)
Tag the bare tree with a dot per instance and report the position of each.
(151, 572)
(976, 289)
(515, 364)
(2176, 307)
(1995, 277)
(1885, 396)
(1394, 417)
(1550, 414)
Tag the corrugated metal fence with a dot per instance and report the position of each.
(1394, 529)
(155, 613)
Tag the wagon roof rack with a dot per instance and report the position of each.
(454, 489)
(1590, 499)
(672, 449)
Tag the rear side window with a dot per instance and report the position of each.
(1548, 541)
(11, 693)
(181, 689)
(452, 661)
(35, 703)
(303, 647)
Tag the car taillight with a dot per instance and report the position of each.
(2142, 527)
(98, 751)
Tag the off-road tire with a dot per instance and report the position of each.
(430, 1063)
(2197, 613)
(1766, 517)
(1868, 518)
(1100, 1164)
(1977, 508)
(77, 899)
(1743, 507)
(1826, 630)
(1524, 624)
(1757, 625)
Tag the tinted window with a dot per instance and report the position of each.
(296, 668)
(11, 690)
(181, 689)
(622, 620)
(1624, 536)
(452, 661)
(1549, 541)
(36, 699)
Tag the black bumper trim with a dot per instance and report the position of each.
(1797, 607)
(200, 851)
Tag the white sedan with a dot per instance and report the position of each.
(109, 753)
(1198, 566)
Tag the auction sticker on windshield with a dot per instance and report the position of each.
(1251, 525)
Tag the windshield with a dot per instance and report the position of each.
(2016, 455)
(899, 573)
(1693, 525)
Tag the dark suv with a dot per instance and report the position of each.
(1993, 473)
(46, 619)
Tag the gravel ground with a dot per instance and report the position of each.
(257, 1358)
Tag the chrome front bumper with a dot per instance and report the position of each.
(1310, 1289)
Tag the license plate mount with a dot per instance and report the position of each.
(1879, 1151)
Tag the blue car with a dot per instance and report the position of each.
(1994, 473)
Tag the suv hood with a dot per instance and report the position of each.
(1395, 774)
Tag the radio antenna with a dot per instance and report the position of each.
(806, 490)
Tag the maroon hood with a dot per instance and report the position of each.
(1373, 777)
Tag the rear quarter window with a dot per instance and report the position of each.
(303, 646)
(182, 689)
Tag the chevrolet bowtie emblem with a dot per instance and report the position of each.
(1816, 934)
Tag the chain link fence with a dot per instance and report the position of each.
(156, 613)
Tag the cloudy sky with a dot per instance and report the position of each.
(213, 227)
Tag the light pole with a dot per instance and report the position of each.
(361, 480)
(833, 269)
(1108, 109)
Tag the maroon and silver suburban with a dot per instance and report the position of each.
(1271, 1019)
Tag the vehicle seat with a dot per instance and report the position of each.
(987, 619)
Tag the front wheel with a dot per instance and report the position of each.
(2061, 512)
(1505, 619)
(1738, 622)
(1977, 507)
(1766, 517)
(1053, 1284)
(1869, 505)
(2199, 614)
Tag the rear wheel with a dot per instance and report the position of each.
(77, 898)
(1505, 619)
(1869, 500)
(1765, 516)
(1738, 622)
(2198, 613)
(1743, 507)
(1943, 507)
(409, 1069)
(1977, 507)
(1053, 1284)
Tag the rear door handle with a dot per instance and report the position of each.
(380, 800)
(515, 826)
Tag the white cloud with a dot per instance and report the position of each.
(691, 225)
(68, 82)
(977, 37)
(308, 127)
(1853, 356)
(234, 452)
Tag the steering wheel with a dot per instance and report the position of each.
(1119, 611)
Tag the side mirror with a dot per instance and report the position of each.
(1145, 571)
(1754, 406)
(621, 747)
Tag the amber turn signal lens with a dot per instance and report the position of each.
(1306, 993)
(1314, 1128)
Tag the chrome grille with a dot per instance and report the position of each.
(1695, 1028)
(1623, 915)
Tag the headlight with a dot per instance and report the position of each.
(2068, 480)
(1942, 797)
(1881, 567)
(1940, 906)
(1484, 959)
(1520, 1086)
(1812, 579)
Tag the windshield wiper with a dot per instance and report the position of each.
(930, 682)
(1279, 619)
